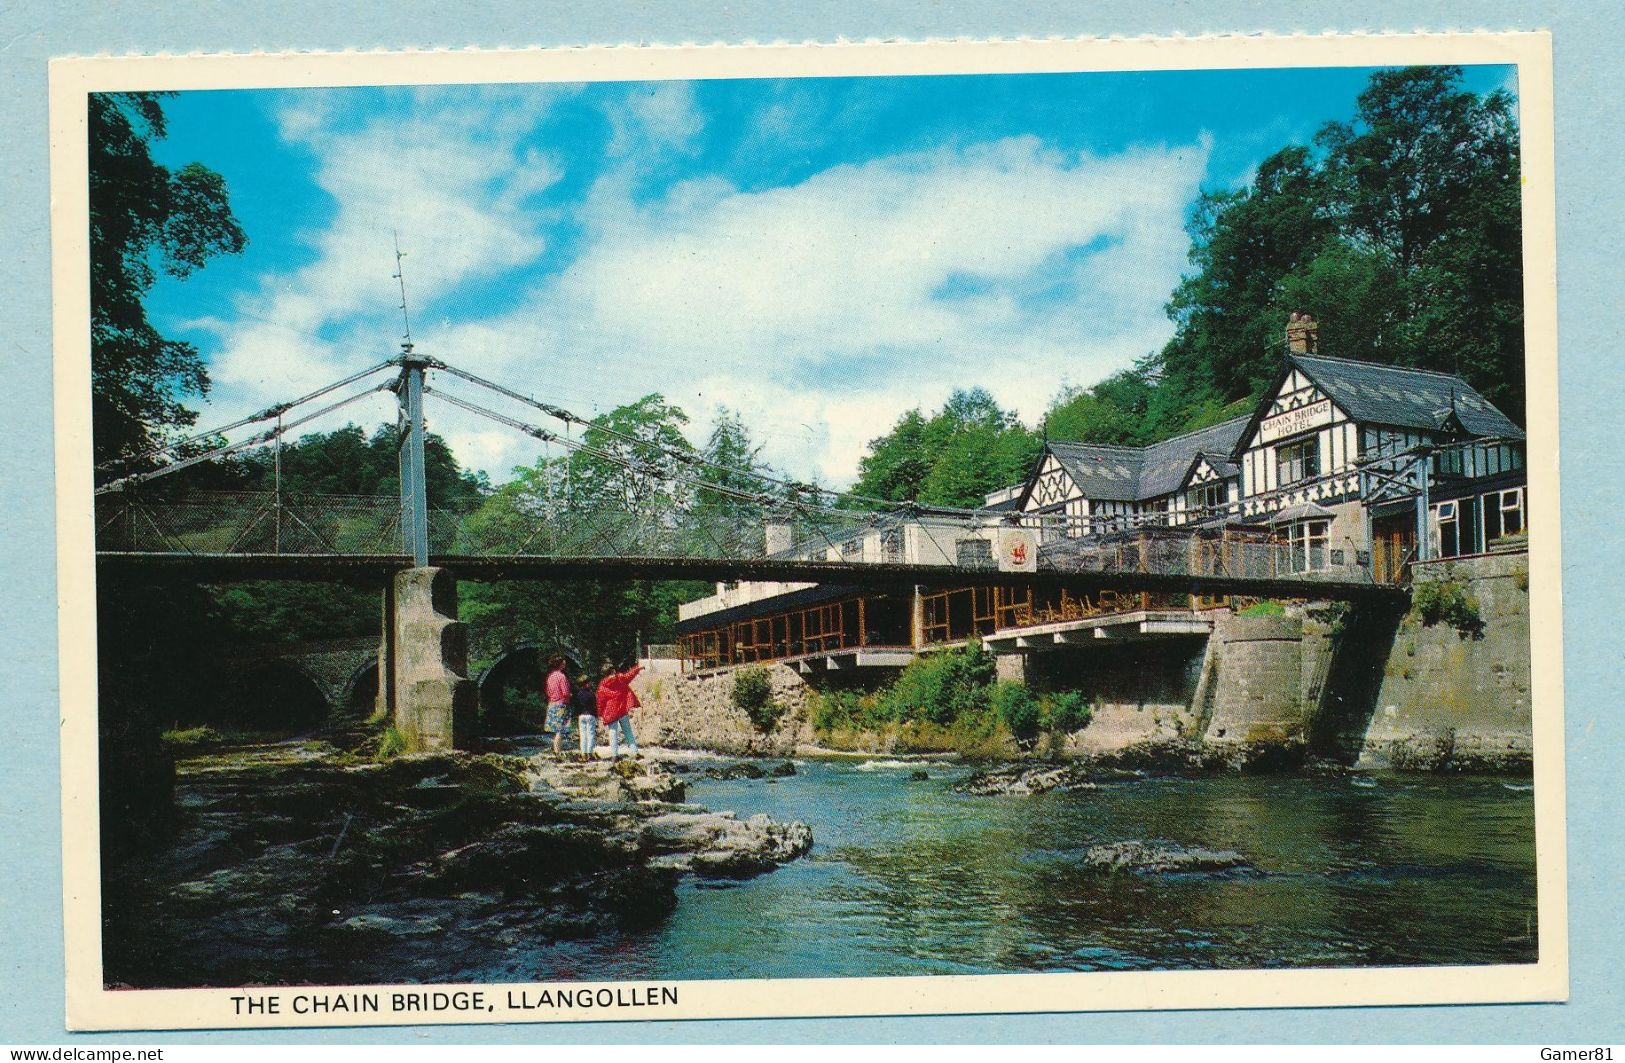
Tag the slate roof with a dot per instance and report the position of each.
(1101, 471)
(1133, 474)
(1166, 463)
(1011, 503)
(1404, 398)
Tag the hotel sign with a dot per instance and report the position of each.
(1018, 550)
(1290, 423)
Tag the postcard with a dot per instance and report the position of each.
(829, 530)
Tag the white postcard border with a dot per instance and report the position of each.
(92, 1007)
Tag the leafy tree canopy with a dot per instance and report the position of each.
(345, 461)
(1400, 234)
(1398, 230)
(144, 218)
(592, 491)
(954, 458)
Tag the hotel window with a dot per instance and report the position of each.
(1503, 514)
(891, 545)
(973, 553)
(1206, 496)
(1306, 545)
(1456, 528)
(1297, 461)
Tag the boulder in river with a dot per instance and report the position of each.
(1021, 779)
(718, 845)
(1160, 858)
(743, 769)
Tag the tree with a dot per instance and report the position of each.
(733, 468)
(1425, 181)
(968, 448)
(1114, 411)
(1228, 312)
(1401, 236)
(631, 461)
(897, 462)
(144, 218)
(625, 480)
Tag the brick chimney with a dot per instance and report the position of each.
(1302, 334)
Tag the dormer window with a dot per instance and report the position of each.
(1205, 496)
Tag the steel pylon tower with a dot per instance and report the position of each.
(409, 394)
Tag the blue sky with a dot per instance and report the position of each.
(819, 254)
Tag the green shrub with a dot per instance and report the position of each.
(940, 687)
(1065, 712)
(1018, 709)
(1265, 608)
(753, 695)
(1433, 601)
(833, 709)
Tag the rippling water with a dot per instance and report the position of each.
(907, 877)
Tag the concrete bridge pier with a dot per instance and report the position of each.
(423, 662)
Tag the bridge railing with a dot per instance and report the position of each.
(244, 523)
(1196, 552)
(249, 522)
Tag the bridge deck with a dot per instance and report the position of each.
(374, 569)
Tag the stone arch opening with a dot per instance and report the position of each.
(360, 697)
(511, 696)
(273, 697)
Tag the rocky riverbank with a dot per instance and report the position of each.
(1193, 759)
(296, 863)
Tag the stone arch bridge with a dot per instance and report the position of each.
(326, 678)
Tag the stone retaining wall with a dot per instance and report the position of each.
(686, 712)
(1458, 697)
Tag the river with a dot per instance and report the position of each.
(908, 877)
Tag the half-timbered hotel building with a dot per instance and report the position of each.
(1350, 467)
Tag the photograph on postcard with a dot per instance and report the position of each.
(810, 527)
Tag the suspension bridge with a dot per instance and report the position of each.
(713, 521)
(718, 522)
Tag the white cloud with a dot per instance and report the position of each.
(821, 311)
(824, 310)
(456, 185)
(655, 117)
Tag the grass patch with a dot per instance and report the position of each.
(192, 737)
(391, 744)
(1447, 601)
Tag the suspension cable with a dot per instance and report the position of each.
(282, 428)
(631, 464)
(755, 472)
(267, 414)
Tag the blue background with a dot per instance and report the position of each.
(1590, 160)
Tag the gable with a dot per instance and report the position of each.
(1050, 486)
(1202, 472)
(1296, 405)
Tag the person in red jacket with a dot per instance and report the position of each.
(615, 701)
